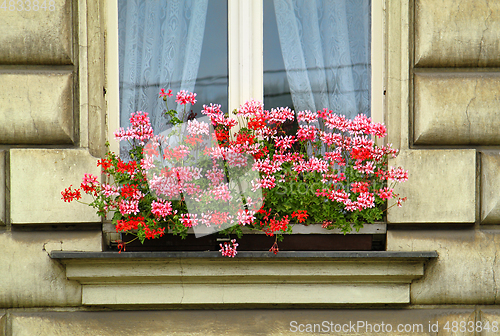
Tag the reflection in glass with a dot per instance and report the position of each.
(317, 55)
(171, 44)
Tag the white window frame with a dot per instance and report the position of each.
(245, 59)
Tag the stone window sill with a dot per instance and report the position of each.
(311, 279)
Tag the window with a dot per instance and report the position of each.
(316, 54)
(247, 39)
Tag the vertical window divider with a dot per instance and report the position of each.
(378, 63)
(245, 48)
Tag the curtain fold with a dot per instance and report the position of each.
(160, 46)
(326, 52)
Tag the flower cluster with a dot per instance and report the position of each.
(200, 175)
(229, 249)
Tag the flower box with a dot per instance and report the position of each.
(222, 175)
(305, 238)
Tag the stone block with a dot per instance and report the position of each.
(466, 271)
(30, 278)
(490, 322)
(450, 33)
(270, 322)
(37, 107)
(37, 177)
(3, 320)
(457, 108)
(441, 187)
(3, 187)
(490, 187)
(37, 34)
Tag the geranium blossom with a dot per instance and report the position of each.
(183, 97)
(140, 130)
(251, 108)
(196, 127)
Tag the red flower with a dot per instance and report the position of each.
(165, 94)
(128, 191)
(274, 248)
(126, 167)
(301, 215)
(69, 195)
(105, 163)
(132, 223)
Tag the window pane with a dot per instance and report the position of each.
(172, 44)
(317, 55)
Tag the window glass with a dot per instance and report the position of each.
(317, 55)
(171, 44)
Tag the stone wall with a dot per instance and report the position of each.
(442, 108)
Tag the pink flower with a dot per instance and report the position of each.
(318, 165)
(360, 124)
(220, 119)
(368, 167)
(250, 108)
(215, 175)
(385, 193)
(195, 127)
(397, 174)
(307, 132)
(245, 218)
(128, 207)
(266, 166)
(285, 142)
(221, 192)
(365, 200)
(280, 115)
(161, 208)
(337, 122)
(140, 130)
(379, 130)
(147, 163)
(330, 138)
(89, 183)
(307, 116)
(212, 110)
(229, 249)
(335, 157)
(183, 97)
(189, 220)
(400, 201)
(109, 190)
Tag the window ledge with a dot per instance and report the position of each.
(154, 279)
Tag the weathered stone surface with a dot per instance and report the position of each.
(441, 187)
(270, 322)
(42, 36)
(450, 33)
(489, 318)
(153, 279)
(3, 320)
(30, 278)
(96, 79)
(457, 108)
(37, 177)
(490, 187)
(3, 187)
(37, 107)
(466, 272)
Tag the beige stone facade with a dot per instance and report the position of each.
(442, 109)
